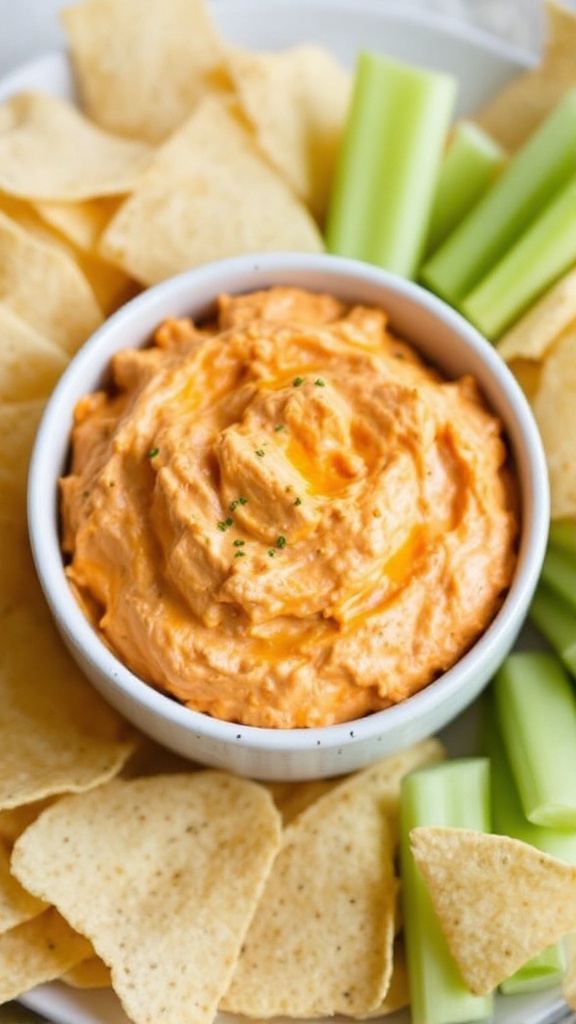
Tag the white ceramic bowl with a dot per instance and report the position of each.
(444, 338)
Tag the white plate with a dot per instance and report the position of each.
(481, 64)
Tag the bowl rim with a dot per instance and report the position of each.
(82, 637)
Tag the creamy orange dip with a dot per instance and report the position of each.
(285, 518)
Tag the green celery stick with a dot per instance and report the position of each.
(545, 251)
(468, 168)
(536, 710)
(389, 159)
(559, 574)
(508, 818)
(556, 620)
(563, 535)
(540, 168)
(453, 793)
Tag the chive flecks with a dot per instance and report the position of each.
(297, 382)
(239, 543)
(320, 383)
(281, 542)
(298, 501)
(225, 524)
(153, 453)
(260, 453)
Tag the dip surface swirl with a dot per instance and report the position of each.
(285, 518)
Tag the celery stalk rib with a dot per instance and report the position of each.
(389, 159)
(559, 574)
(454, 793)
(537, 259)
(546, 969)
(563, 535)
(536, 711)
(540, 168)
(556, 620)
(468, 168)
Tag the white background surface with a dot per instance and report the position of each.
(30, 27)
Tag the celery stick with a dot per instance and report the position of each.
(468, 168)
(386, 172)
(563, 535)
(536, 710)
(546, 969)
(559, 574)
(556, 620)
(545, 251)
(453, 793)
(531, 178)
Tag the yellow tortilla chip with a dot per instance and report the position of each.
(555, 411)
(18, 424)
(49, 150)
(30, 364)
(517, 110)
(499, 901)
(57, 735)
(207, 194)
(537, 330)
(46, 288)
(163, 875)
(109, 285)
(297, 102)
(322, 938)
(16, 904)
(142, 74)
(82, 222)
(38, 951)
(14, 821)
(527, 373)
(92, 973)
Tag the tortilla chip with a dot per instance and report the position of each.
(49, 150)
(30, 364)
(517, 110)
(398, 994)
(38, 951)
(56, 734)
(45, 288)
(555, 411)
(18, 425)
(297, 102)
(499, 901)
(14, 821)
(81, 223)
(138, 75)
(16, 904)
(92, 973)
(163, 875)
(527, 372)
(207, 194)
(322, 938)
(537, 330)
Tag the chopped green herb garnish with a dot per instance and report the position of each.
(278, 427)
(320, 383)
(271, 552)
(297, 381)
(153, 453)
(281, 542)
(260, 453)
(298, 501)
(242, 500)
(239, 543)
(225, 524)
(239, 554)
